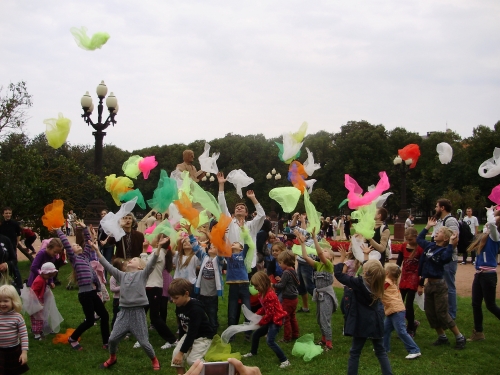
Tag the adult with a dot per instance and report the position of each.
(47, 253)
(71, 223)
(158, 218)
(473, 224)
(107, 250)
(130, 245)
(444, 218)
(382, 234)
(409, 222)
(187, 165)
(341, 228)
(347, 227)
(334, 227)
(151, 219)
(12, 230)
(8, 260)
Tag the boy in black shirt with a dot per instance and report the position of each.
(194, 327)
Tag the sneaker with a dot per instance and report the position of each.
(156, 364)
(169, 345)
(248, 355)
(38, 337)
(137, 345)
(460, 343)
(285, 364)
(413, 355)
(476, 336)
(302, 310)
(441, 341)
(328, 347)
(464, 263)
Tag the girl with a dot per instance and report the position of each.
(159, 218)
(39, 287)
(351, 267)
(167, 279)
(272, 318)
(287, 287)
(13, 333)
(323, 294)
(154, 289)
(114, 287)
(185, 259)
(485, 279)
(364, 310)
(409, 258)
(88, 286)
(47, 253)
(133, 298)
(29, 238)
(395, 312)
(274, 271)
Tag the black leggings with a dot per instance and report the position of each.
(484, 287)
(410, 312)
(91, 303)
(155, 301)
(29, 242)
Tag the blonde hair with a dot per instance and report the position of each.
(447, 232)
(280, 245)
(261, 282)
(180, 250)
(9, 291)
(478, 243)
(393, 271)
(374, 274)
(410, 232)
(142, 263)
(287, 258)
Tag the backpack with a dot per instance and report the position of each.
(388, 250)
(465, 235)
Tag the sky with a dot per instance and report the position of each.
(190, 70)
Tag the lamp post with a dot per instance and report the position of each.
(403, 167)
(275, 177)
(100, 126)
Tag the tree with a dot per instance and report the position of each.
(14, 104)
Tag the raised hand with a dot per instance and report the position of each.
(250, 194)
(431, 222)
(220, 178)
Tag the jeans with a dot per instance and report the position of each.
(154, 299)
(484, 287)
(355, 352)
(271, 330)
(408, 296)
(305, 274)
(396, 322)
(91, 303)
(450, 270)
(211, 307)
(236, 292)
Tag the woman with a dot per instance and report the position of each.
(347, 228)
(159, 218)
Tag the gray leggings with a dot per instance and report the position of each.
(133, 320)
(324, 311)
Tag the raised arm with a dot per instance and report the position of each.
(302, 240)
(319, 250)
(116, 273)
(491, 224)
(422, 242)
(222, 197)
(67, 246)
(255, 224)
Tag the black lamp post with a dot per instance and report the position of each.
(88, 107)
(403, 167)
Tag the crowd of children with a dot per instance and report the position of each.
(376, 300)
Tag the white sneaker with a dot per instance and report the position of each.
(137, 345)
(247, 355)
(169, 345)
(285, 364)
(413, 355)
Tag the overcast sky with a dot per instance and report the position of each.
(187, 70)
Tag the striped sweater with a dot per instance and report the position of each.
(85, 275)
(13, 330)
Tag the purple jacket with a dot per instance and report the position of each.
(41, 258)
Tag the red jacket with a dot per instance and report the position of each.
(271, 309)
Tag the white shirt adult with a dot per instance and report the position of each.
(408, 223)
(472, 222)
(240, 212)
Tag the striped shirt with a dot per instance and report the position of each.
(13, 330)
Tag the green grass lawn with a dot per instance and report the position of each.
(478, 358)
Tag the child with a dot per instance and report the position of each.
(351, 267)
(154, 290)
(272, 319)
(209, 284)
(431, 267)
(395, 313)
(114, 287)
(364, 310)
(167, 279)
(132, 317)
(39, 288)
(274, 271)
(13, 333)
(47, 253)
(287, 287)
(409, 258)
(185, 259)
(323, 295)
(194, 326)
(88, 286)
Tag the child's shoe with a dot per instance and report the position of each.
(285, 364)
(413, 355)
(460, 343)
(74, 344)
(441, 341)
(110, 362)
(169, 345)
(476, 336)
(248, 355)
(38, 336)
(328, 346)
(137, 345)
(156, 364)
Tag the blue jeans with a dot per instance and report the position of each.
(236, 292)
(305, 274)
(271, 330)
(107, 252)
(355, 352)
(397, 322)
(450, 270)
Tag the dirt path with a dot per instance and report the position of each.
(465, 274)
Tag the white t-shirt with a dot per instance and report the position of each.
(408, 223)
(188, 272)
(334, 224)
(472, 222)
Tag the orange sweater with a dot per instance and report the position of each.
(392, 300)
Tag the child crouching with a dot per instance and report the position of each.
(194, 326)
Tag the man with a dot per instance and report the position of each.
(130, 245)
(71, 223)
(443, 216)
(8, 260)
(473, 224)
(409, 222)
(187, 165)
(382, 234)
(12, 230)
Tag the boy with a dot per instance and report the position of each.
(194, 326)
(431, 267)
